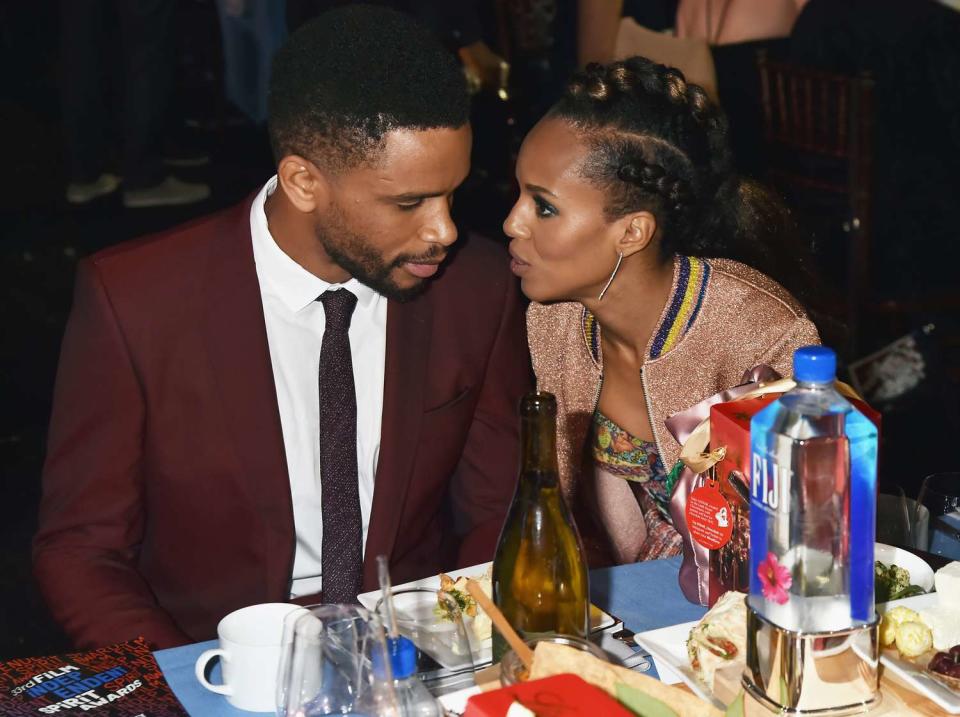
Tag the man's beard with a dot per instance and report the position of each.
(354, 254)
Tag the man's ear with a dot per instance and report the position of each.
(638, 233)
(305, 185)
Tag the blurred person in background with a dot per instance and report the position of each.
(910, 49)
(726, 22)
(714, 43)
(146, 60)
(251, 32)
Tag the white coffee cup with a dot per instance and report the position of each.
(249, 655)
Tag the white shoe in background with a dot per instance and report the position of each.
(170, 192)
(83, 192)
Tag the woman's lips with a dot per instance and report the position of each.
(424, 271)
(518, 266)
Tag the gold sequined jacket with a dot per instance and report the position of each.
(722, 319)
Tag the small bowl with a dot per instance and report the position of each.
(512, 670)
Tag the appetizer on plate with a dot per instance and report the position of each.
(929, 636)
(903, 628)
(720, 638)
(479, 623)
(891, 582)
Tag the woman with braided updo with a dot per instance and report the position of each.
(625, 236)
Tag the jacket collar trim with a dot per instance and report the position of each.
(690, 284)
(691, 275)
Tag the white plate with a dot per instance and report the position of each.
(912, 675)
(369, 600)
(599, 620)
(668, 648)
(920, 573)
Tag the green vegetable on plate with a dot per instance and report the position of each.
(893, 582)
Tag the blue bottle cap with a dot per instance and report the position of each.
(814, 364)
(403, 658)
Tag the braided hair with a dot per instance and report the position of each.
(659, 144)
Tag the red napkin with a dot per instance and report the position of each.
(557, 696)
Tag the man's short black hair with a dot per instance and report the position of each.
(351, 75)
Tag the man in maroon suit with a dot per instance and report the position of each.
(252, 407)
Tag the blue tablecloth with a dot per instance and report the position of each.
(644, 595)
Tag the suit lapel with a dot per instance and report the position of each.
(408, 350)
(236, 337)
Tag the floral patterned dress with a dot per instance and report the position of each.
(636, 461)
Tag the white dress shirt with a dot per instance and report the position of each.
(295, 322)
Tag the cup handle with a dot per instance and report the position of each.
(201, 667)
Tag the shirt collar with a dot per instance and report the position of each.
(284, 278)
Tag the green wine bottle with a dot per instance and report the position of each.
(540, 580)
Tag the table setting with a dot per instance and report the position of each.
(645, 597)
(782, 600)
(776, 563)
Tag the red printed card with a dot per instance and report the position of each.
(120, 680)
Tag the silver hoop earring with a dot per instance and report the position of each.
(610, 280)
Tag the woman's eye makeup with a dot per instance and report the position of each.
(544, 208)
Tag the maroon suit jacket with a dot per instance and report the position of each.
(166, 501)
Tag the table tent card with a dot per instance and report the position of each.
(121, 680)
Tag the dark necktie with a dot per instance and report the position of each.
(341, 554)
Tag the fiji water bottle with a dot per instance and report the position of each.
(812, 504)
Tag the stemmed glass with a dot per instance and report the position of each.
(334, 661)
(940, 493)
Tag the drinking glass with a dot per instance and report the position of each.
(940, 493)
(434, 622)
(334, 660)
(902, 521)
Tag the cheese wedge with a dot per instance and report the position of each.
(944, 622)
(947, 582)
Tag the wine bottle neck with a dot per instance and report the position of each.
(538, 441)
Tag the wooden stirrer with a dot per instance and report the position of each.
(500, 622)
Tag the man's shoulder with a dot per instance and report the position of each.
(172, 254)
(480, 265)
(479, 251)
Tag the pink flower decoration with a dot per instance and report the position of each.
(775, 579)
